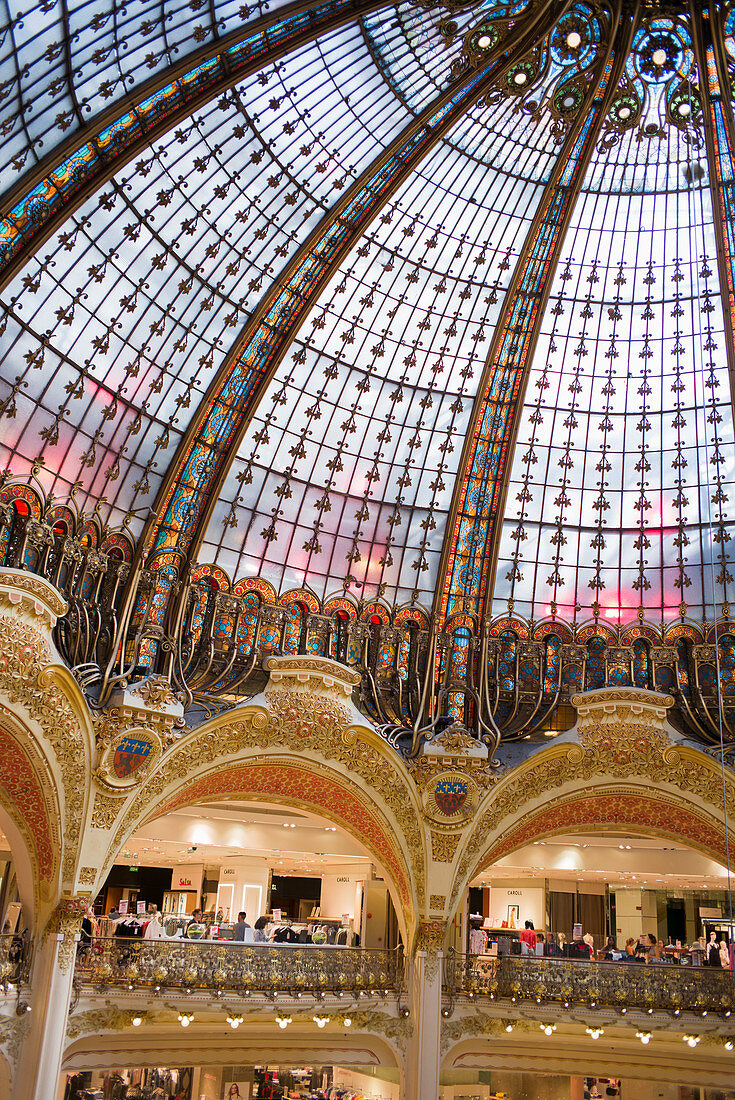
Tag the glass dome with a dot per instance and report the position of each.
(419, 305)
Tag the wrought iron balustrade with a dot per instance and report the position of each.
(257, 968)
(662, 986)
(492, 679)
(15, 959)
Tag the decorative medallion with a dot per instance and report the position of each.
(129, 757)
(130, 754)
(450, 798)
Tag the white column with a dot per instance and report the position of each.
(39, 1061)
(423, 1054)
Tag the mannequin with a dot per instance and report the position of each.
(724, 954)
(713, 951)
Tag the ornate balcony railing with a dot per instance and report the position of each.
(162, 965)
(15, 960)
(210, 637)
(661, 986)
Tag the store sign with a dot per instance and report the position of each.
(227, 872)
(710, 912)
(188, 878)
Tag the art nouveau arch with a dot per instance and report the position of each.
(104, 1037)
(45, 742)
(621, 767)
(29, 817)
(306, 749)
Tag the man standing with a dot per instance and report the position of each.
(241, 926)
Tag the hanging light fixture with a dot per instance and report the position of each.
(321, 1021)
(283, 1021)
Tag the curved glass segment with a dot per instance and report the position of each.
(345, 477)
(62, 63)
(111, 336)
(625, 458)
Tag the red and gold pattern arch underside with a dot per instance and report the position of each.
(652, 816)
(23, 797)
(301, 788)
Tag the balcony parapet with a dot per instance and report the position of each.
(619, 985)
(184, 965)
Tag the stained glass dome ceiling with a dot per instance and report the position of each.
(424, 304)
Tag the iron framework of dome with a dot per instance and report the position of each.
(401, 335)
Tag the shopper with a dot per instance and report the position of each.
(550, 948)
(528, 938)
(259, 932)
(241, 926)
(629, 955)
(609, 951)
(194, 923)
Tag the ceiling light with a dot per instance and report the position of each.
(644, 1036)
(347, 1022)
(691, 1040)
(574, 39)
(548, 1029)
(283, 1021)
(136, 1021)
(320, 1021)
(185, 1018)
(509, 1027)
(729, 1044)
(595, 1032)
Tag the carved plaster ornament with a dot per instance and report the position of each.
(32, 680)
(622, 735)
(65, 922)
(291, 719)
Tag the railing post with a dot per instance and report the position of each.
(44, 1032)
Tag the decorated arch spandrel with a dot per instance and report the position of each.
(621, 766)
(45, 739)
(300, 744)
